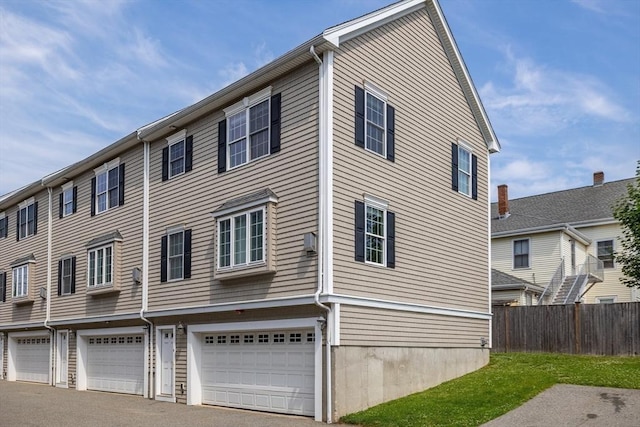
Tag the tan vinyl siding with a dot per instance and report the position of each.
(12, 250)
(72, 233)
(365, 326)
(189, 200)
(441, 235)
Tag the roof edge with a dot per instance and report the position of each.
(545, 229)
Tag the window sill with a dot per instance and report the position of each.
(244, 271)
(22, 300)
(103, 290)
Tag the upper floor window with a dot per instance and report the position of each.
(27, 219)
(605, 253)
(521, 253)
(464, 170)
(176, 255)
(21, 281)
(100, 266)
(375, 232)
(4, 225)
(374, 121)
(3, 287)
(177, 157)
(250, 131)
(68, 200)
(107, 187)
(67, 276)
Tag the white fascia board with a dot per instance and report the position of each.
(98, 319)
(21, 326)
(595, 223)
(565, 228)
(355, 27)
(39, 333)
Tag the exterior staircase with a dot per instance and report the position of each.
(569, 289)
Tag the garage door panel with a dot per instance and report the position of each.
(32, 361)
(116, 364)
(274, 372)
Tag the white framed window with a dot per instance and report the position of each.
(241, 239)
(20, 281)
(375, 231)
(607, 300)
(4, 225)
(67, 199)
(27, 218)
(177, 153)
(521, 253)
(66, 275)
(376, 120)
(605, 250)
(464, 169)
(100, 268)
(107, 186)
(248, 129)
(175, 256)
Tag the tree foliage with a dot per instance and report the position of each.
(627, 211)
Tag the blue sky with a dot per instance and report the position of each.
(560, 79)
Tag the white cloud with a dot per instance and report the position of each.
(592, 5)
(232, 72)
(145, 50)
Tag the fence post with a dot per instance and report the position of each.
(506, 329)
(576, 327)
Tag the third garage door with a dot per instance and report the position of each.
(32, 361)
(265, 371)
(116, 364)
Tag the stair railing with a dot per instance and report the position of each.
(595, 267)
(554, 284)
(592, 267)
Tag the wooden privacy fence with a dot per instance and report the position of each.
(605, 329)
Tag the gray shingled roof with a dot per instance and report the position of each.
(504, 281)
(246, 199)
(572, 207)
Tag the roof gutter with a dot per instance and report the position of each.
(566, 228)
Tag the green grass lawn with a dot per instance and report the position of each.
(509, 380)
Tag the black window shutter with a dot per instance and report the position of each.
(474, 177)
(165, 163)
(93, 196)
(121, 185)
(188, 154)
(454, 167)
(276, 101)
(75, 199)
(35, 218)
(6, 226)
(61, 204)
(60, 277)
(359, 117)
(391, 240)
(391, 133)
(163, 259)
(3, 287)
(359, 236)
(187, 254)
(222, 146)
(73, 275)
(18, 226)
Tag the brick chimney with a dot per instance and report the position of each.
(598, 178)
(503, 201)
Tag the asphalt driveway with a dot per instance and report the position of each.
(27, 404)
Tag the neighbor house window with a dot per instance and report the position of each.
(176, 255)
(464, 169)
(68, 200)
(107, 187)
(606, 300)
(21, 281)
(27, 219)
(177, 157)
(250, 131)
(605, 253)
(67, 276)
(241, 238)
(101, 266)
(375, 232)
(521, 253)
(374, 121)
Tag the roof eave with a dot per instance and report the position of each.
(544, 229)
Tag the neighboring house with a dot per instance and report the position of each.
(563, 241)
(510, 290)
(311, 239)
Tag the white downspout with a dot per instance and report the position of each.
(322, 206)
(145, 264)
(489, 248)
(53, 344)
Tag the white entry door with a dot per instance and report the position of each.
(265, 371)
(166, 360)
(63, 357)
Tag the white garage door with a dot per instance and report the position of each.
(265, 371)
(116, 364)
(32, 361)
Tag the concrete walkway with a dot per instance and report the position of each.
(575, 405)
(37, 405)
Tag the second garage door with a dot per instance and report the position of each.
(32, 361)
(266, 371)
(116, 364)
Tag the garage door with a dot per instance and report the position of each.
(116, 364)
(32, 361)
(265, 371)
